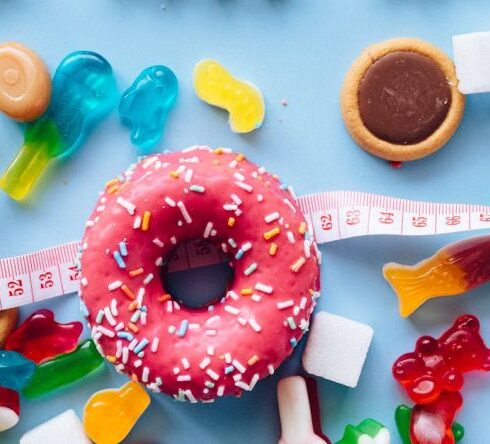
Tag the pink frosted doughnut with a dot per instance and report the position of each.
(225, 348)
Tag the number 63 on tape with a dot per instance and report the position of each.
(332, 216)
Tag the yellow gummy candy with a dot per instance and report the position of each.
(243, 100)
(109, 415)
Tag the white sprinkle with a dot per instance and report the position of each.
(232, 295)
(128, 206)
(230, 207)
(264, 288)
(171, 329)
(137, 222)
(105, 331)
(210, 350)
(145, 374)
(185, 363)
(89, 223)
(290, 205)
(159, 261)
(221, 390)
(190, 396)
(109, 317)
(132, 344)
(270, 367)
(291, 237)
(271, 217)
(213, 233)
(204, 363)
(114, 307)
(158, 242)
(232, 242)
(139, 297)
(176, 371)
(193, 326)
(125, 355)
(119, 347)
(119, 326)
(193, 159)
(254, 381)
(114, 285)
(207, 230)
(296, 310)
(302, 304)
(154, 344)
(184, 212)
(253, 323)
(236, 199)
(169, 201)
(233, 163)
(188, 176)
(256, 298)
(285, 304)
(137, 363)
(260, 198)
(237, 377)
(239, 176)
(149, 161)
(232, 310)
(228, 358)
(307, 247)
(242, 320)
(84, 282)
(184, 378)
(242, 385)
(148, 279)
(211, 320)
(212, 374)
(244, 186)
(239, 366)
(238, 212)
(211, 332)
(173, 240)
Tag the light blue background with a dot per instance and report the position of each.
(298, 50)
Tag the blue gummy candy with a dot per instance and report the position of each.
(145, 105)
(84, 92)
(15, 370)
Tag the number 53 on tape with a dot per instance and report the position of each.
(332, 216)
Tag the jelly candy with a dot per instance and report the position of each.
(25, 82)
(403, 416)
(63, 370)
(15, 370)
(295, 413)
(109, 415)
(438, 365)
(145, 105)
(40, 337)
(453, 270)
(368, 431)
(84, 91)
(432, 423)
(243, 100)
(9, 408)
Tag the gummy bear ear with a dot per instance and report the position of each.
(468, 322)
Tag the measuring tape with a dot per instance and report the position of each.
(332, 216)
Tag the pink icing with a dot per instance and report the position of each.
(228, 347)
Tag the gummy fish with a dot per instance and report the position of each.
(453, 270)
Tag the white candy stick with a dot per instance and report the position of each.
(294, 410)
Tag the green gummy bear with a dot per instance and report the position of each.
(402, 418)
(368, 428)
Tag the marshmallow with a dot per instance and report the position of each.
(337, 348)
(472, 60)
(62, 429)
(295, 413)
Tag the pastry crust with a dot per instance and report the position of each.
(350, 106)
(8, 320)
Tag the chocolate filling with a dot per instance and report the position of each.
(404, 97)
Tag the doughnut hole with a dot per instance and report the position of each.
(196, 273)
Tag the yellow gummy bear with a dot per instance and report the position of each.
(109, 415)
(242, 99)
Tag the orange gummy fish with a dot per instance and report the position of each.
(453, 270)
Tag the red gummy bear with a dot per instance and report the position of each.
(437, 365)
(9, 408)
(432, 423)
(40, 337)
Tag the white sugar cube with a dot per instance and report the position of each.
(337, 348)
(62, 429)
(472, 60)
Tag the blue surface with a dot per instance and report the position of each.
(298, 50)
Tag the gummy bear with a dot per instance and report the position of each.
(109, 415)
(9, 408)
(63, 370)
(438, 365)
(403, 417)
(453, 270)
(40, 337)
(25, 82)
(432, 423)
(368, 431)
(84, 91)
(145, 105)
(243, 100)
(15, 370)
